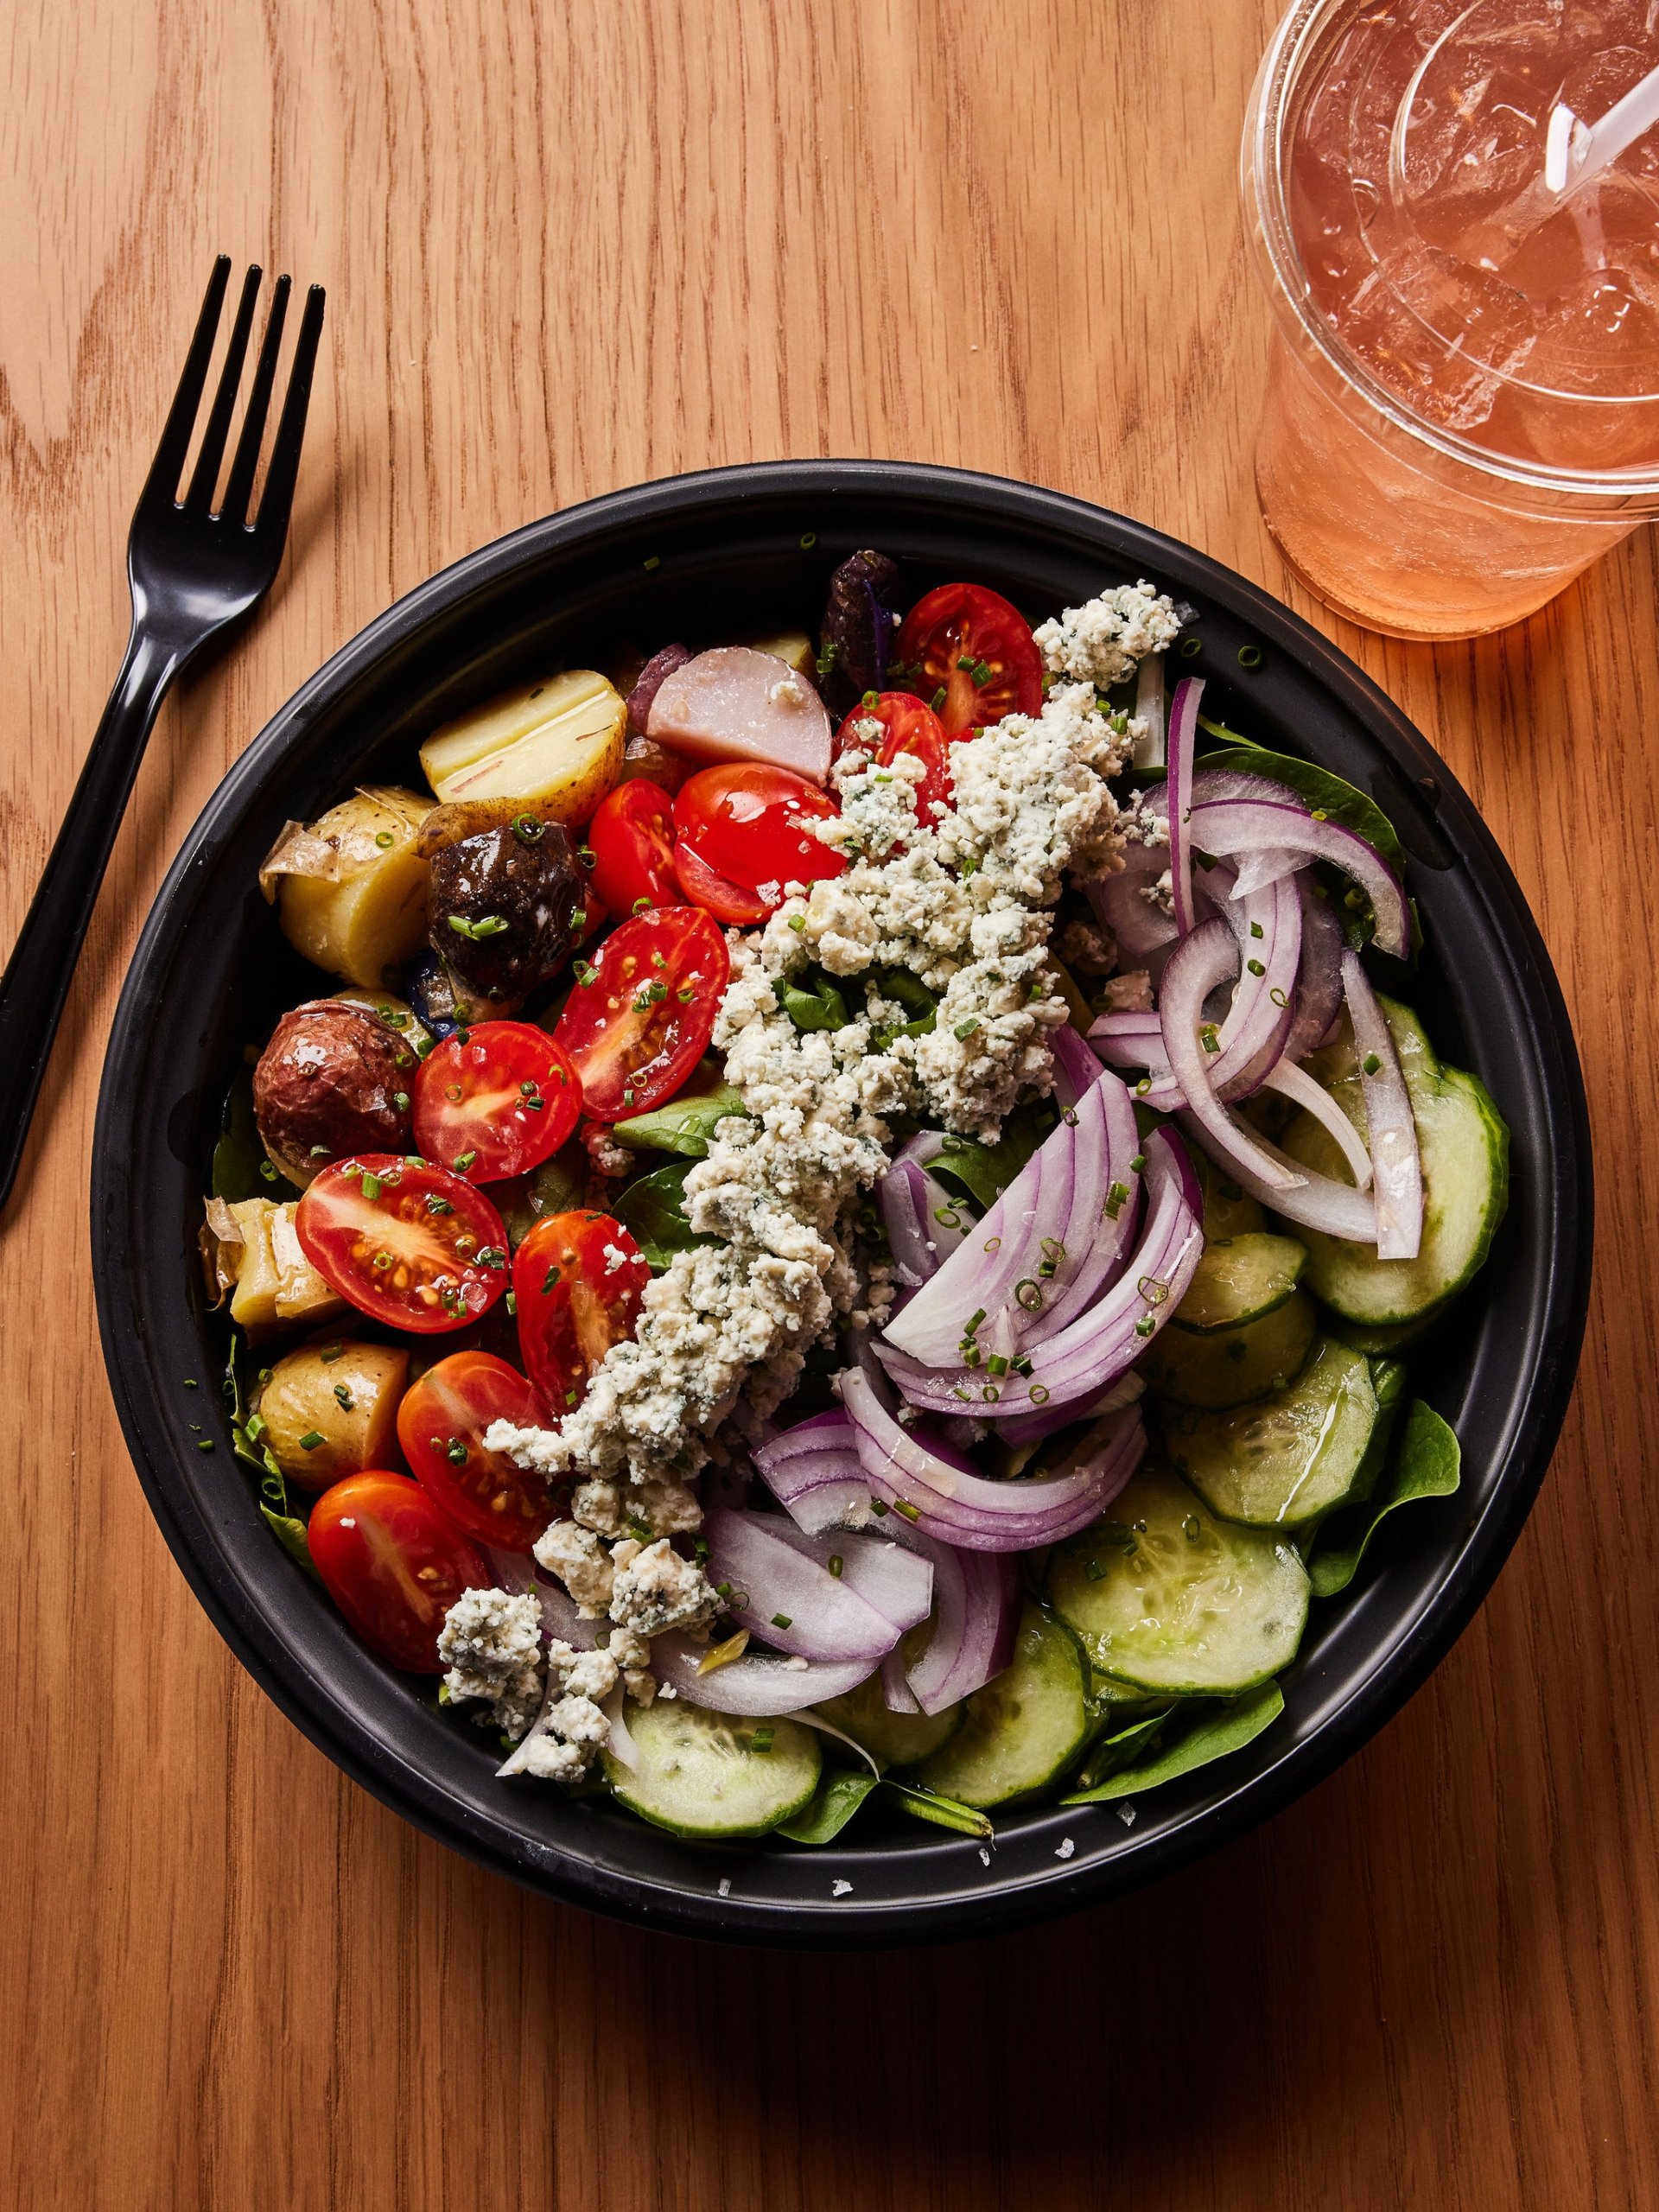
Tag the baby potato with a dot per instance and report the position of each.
(331, 1409)
(552, 749)
(371, 916)
(793, 646)
(275, 1282)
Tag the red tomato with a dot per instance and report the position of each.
(972, 646)
(717, 894)
(575, 1301)
(412, 1245)
(498, 1104)
(640, 1019)
(748, 822)
(908, 726)
(632, 840)
(442, 1424)
(393, 1564)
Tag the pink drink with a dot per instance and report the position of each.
(1467, 410)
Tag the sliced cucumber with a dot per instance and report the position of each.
(1382, 1343)
(1228, 1210)
(701, 1774)
(1232, 1366)
(1175, 1602)
(1464, 1147)
(1239, 1279)
(1024, 1728)
(891, 1738)
(1293, 1456)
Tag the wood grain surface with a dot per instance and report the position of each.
(568, 246)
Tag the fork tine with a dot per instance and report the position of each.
(168, 464)
(238, 491)
(278, 493)
(204, 479)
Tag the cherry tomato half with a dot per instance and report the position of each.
(498, 1104)
(576, 1298)
(748, 821)
(717, 894)
(972, 646)
(412, 1245)
(639, 1019)
(442, 1424)
(394, 1564)
(632, 840)
(908, 725)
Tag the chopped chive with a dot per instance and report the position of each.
(1370, 1063)
(781, 1620)
(653, 560)
(330, 1353)
(550, 1282)
(371, 1185)
(1255, 967)
(835, 1565)
(878, 1507)
(1190, 648)
(761, 1740)
(342, 1393)
(964, 1030)
(205, 1444)
(310, 1440)
(1249, 656)
(1137, 1165)
(1255, 929)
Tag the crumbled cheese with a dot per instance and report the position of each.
(1130, 993)
(632, 1653)
(608, 1157)
(491, 1641)
(572, 1553)
(570, 1728)
(1089, 947)
(1100, 642)
(615, 1257)
(1065, 1847)
(656, 1590)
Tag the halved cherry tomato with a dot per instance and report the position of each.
(716, 895)
(394, 1563)
(632, 840)
(576, 1298)
(640, 1019)
(413, 1245)
(498, 1104)
(972, 646)
(442, 1424)
(748, 822)
(909, 725)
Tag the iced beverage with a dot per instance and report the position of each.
(1466, 411)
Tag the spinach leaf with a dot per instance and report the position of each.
(556, 1186)
(906, 990)
(812, 1002)
(1224, 1727)
(1115, 1752)
(290, 1534)
(839, 1796)
(1427, 1465)
(653, 1211)
(984, 1171)
(685, 1125)
(942, 1812)
(1331, 794)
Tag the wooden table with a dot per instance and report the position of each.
(567, 247)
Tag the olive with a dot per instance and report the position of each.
(333, 1080)
(859, 618)
(503, 909)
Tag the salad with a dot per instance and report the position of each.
(845, 1216)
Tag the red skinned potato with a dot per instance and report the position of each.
(650, 681)
(733, 703)
(330, 1083)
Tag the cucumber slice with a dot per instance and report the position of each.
(700, 1775)
(1385, 1342)
(1232, 1366)
(1291, 1457)
(1464, 1146)
(1024, 1728)
(891, 1738)
(1239, 1279)
(1228, 1210)
(1175, 1602)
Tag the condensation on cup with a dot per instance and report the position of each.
(1464, 407)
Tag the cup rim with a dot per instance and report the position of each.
(1610, 495)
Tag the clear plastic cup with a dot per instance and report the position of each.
(1464, 406)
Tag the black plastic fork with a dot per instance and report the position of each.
(194, 574)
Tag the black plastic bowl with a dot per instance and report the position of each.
(750, 549)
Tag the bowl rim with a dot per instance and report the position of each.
(1023, 1898)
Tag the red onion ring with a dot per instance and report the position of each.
(1183, 733)
(975, 1615)
(1235, 827)
(1205, 958)
(754, 1686)
(1396, 1162)
(792, 1602)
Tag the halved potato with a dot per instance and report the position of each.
(331, 1409)
(793, 646)
(275, 1284)
(369, 915)
(553, 749)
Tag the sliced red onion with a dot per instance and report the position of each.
(619, 1743)
(1312, 1202)
(1268, 928)
(1032, 1428)
(755, 1685)
(788, 1601)
(1296, 1085)
(1183, 731)
(1257, 870)
(1138, 923)
(1099, 1224)
(813, 1471)
(968, 1511)
(1396, 1160)
(1102, 1344)
(896, 1693)
(975, 1615)
(1149, 708)
(984, 1267)
(1237, 827)
(1202, 961)
(1318, 985)
(882, 1572)
(925, 1223)
(1076, 1069)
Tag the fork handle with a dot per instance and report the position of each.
(42, 963)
